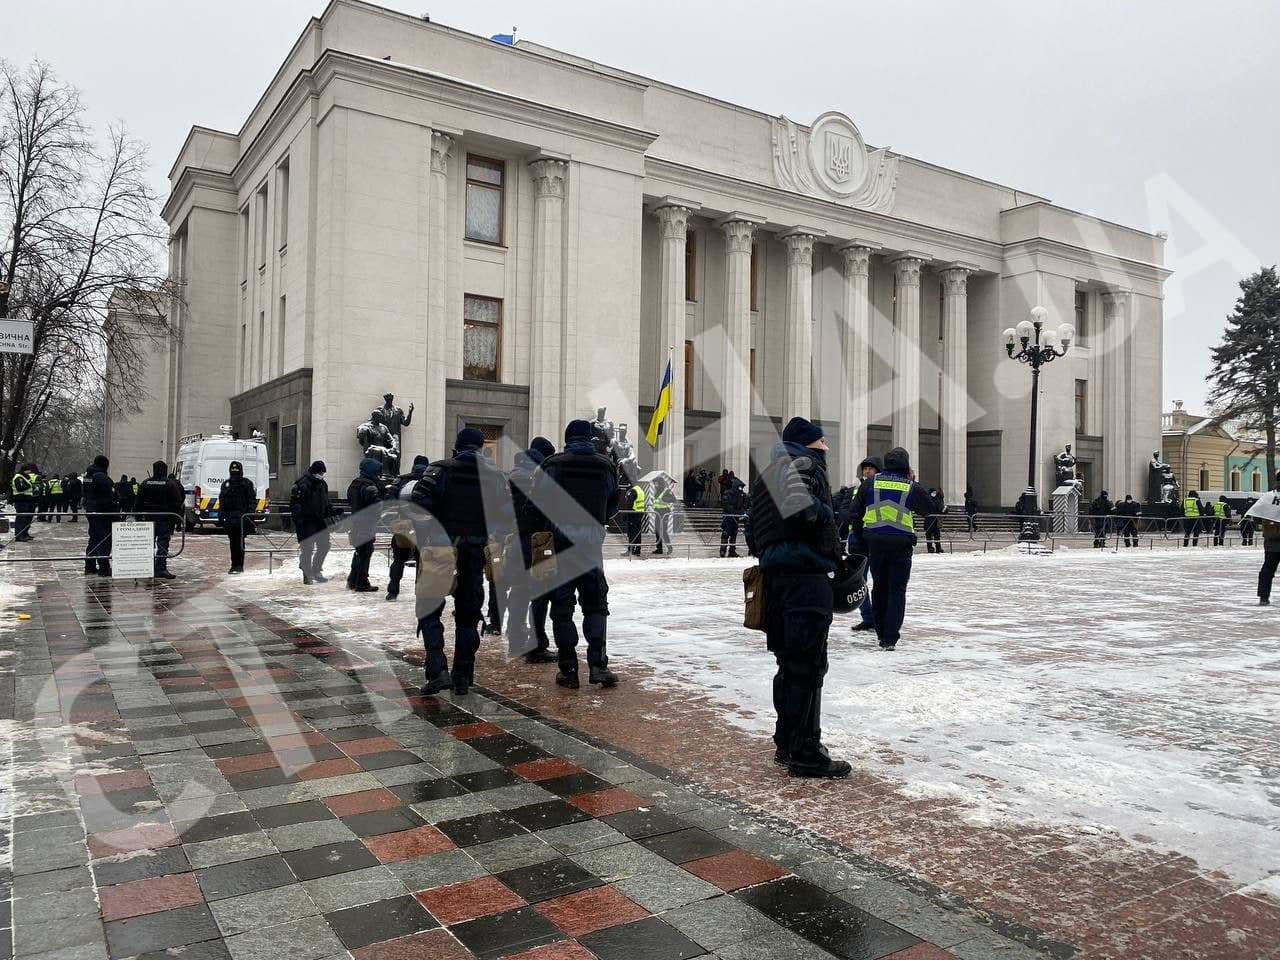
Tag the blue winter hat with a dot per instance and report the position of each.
(370, 468)
(543, 446)
(468, 439)
(318, 467)
(577, 430)
(801, 431)
(421, 461)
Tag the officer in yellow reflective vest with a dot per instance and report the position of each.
(22, 492)
(1191, 519)
(1221, 514)
(57, 500)
(634, 504)
(663, 522)
(884, 511)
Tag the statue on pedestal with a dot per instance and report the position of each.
(1064, 465)
(1162, 486)
(377, 442)
(624, 455)
(602, 431)
(393, 418)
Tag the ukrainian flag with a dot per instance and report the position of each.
(661, 410)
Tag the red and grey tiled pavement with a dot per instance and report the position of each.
(193, 776)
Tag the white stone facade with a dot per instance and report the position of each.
(853, 285)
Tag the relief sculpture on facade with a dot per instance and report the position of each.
(830, 161)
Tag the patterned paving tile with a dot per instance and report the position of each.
(138, 897)
(459, 902)
(590, 910)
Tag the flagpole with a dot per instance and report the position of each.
(671, 350)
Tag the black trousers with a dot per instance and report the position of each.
(399, 557)
(25, 507)
(164, 533)
(729, 535)
(1130, 531)
(235, 538)
(635, 527)
(359, 575)
(1246, 533)
(73, 504)
(932, 536)
(1270, 563)
(797, 620)
(1190, 531)
(98, 555)
(493, 616)
(590, 590)
(890, 573)
(468, 599)
(1219, 532)
(312, 551)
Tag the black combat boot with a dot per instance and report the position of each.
(441, 681)
(603, 676)
(569, 680)
(817, 763)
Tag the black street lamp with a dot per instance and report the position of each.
(1039, 346)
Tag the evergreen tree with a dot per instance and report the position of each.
(1245, 380)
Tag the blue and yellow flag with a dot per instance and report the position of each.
(661, 409)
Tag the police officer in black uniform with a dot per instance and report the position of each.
(590, 481)
(525, 609)
(1128, 510)
(236, 497)
(73, 489)
(101, 502)
(793, 531)
(459, 494)
(363, 493)
(1101, 509)
(733, 503)
(158, 495)
(311, 511)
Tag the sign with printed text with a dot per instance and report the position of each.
(17, 336)
(1267, 507)
(133, 550)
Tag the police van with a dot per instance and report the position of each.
(204, 462)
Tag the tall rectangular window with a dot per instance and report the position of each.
(1082, 406)
(262, 226)
(280, 337)
(690, 265)
(752, 375)
(273, 445)
(282, 198)
(755, 277)
(260, 366)
(244, 353)
(484, 199)
(244, 244)
(688, 374)
(481, 338)
(1082, 316)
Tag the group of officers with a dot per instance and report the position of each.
(42, 498)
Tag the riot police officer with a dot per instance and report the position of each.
(160, 497)
(524, 609)
(793, 531)
(591, 481)
(100, 504)
(733, 502)
(236, 498)
(459, 494)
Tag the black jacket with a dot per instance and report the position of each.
(590, 480)
(733, 497)
(99, 492)
(529, 519)
(236, 497)
(73, 488)
(160, 494)
(918, 502)
(796, 531)
(309, 505)
(1101, 506)
(362, 493)
(456, 493)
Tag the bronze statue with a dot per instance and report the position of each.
(1065, 470)
(393, 417)
(379, 443)
(1162, 485)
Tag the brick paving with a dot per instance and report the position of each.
(195, 776)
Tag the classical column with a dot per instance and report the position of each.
(855, 396)
(797, 385)
(906, 354)
(735, 390)
(954, 412)
(546, 379)
(1115, 407)
(439, 317)
(673, 224)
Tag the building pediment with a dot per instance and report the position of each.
(830, 161)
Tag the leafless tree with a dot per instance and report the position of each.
(77, 222)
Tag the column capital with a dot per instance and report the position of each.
(906, 267)
(549, 177)
(739, 234)
(799, 248)
(955, 278)
(441, 148)
(857, 259)
(673, 220)
(1116, 296)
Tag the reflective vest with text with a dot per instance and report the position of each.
(888, 513)
(1191, 507)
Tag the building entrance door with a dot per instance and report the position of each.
(492, 434)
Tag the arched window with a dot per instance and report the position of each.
(1235, 478)
(1204, 478)
(1257, 480)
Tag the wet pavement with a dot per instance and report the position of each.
(194, 774)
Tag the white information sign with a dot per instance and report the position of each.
(17, 336)
(133, 550)
(1267, 507)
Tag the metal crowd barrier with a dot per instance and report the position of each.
(178, 531)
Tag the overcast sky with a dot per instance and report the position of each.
(1160, 115)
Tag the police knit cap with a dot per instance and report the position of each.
(469, 439)
(543, 446)
(236, 468)
(577, 430)
(897, 460)
(318, 467)
(101, 462)
(801, 431)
